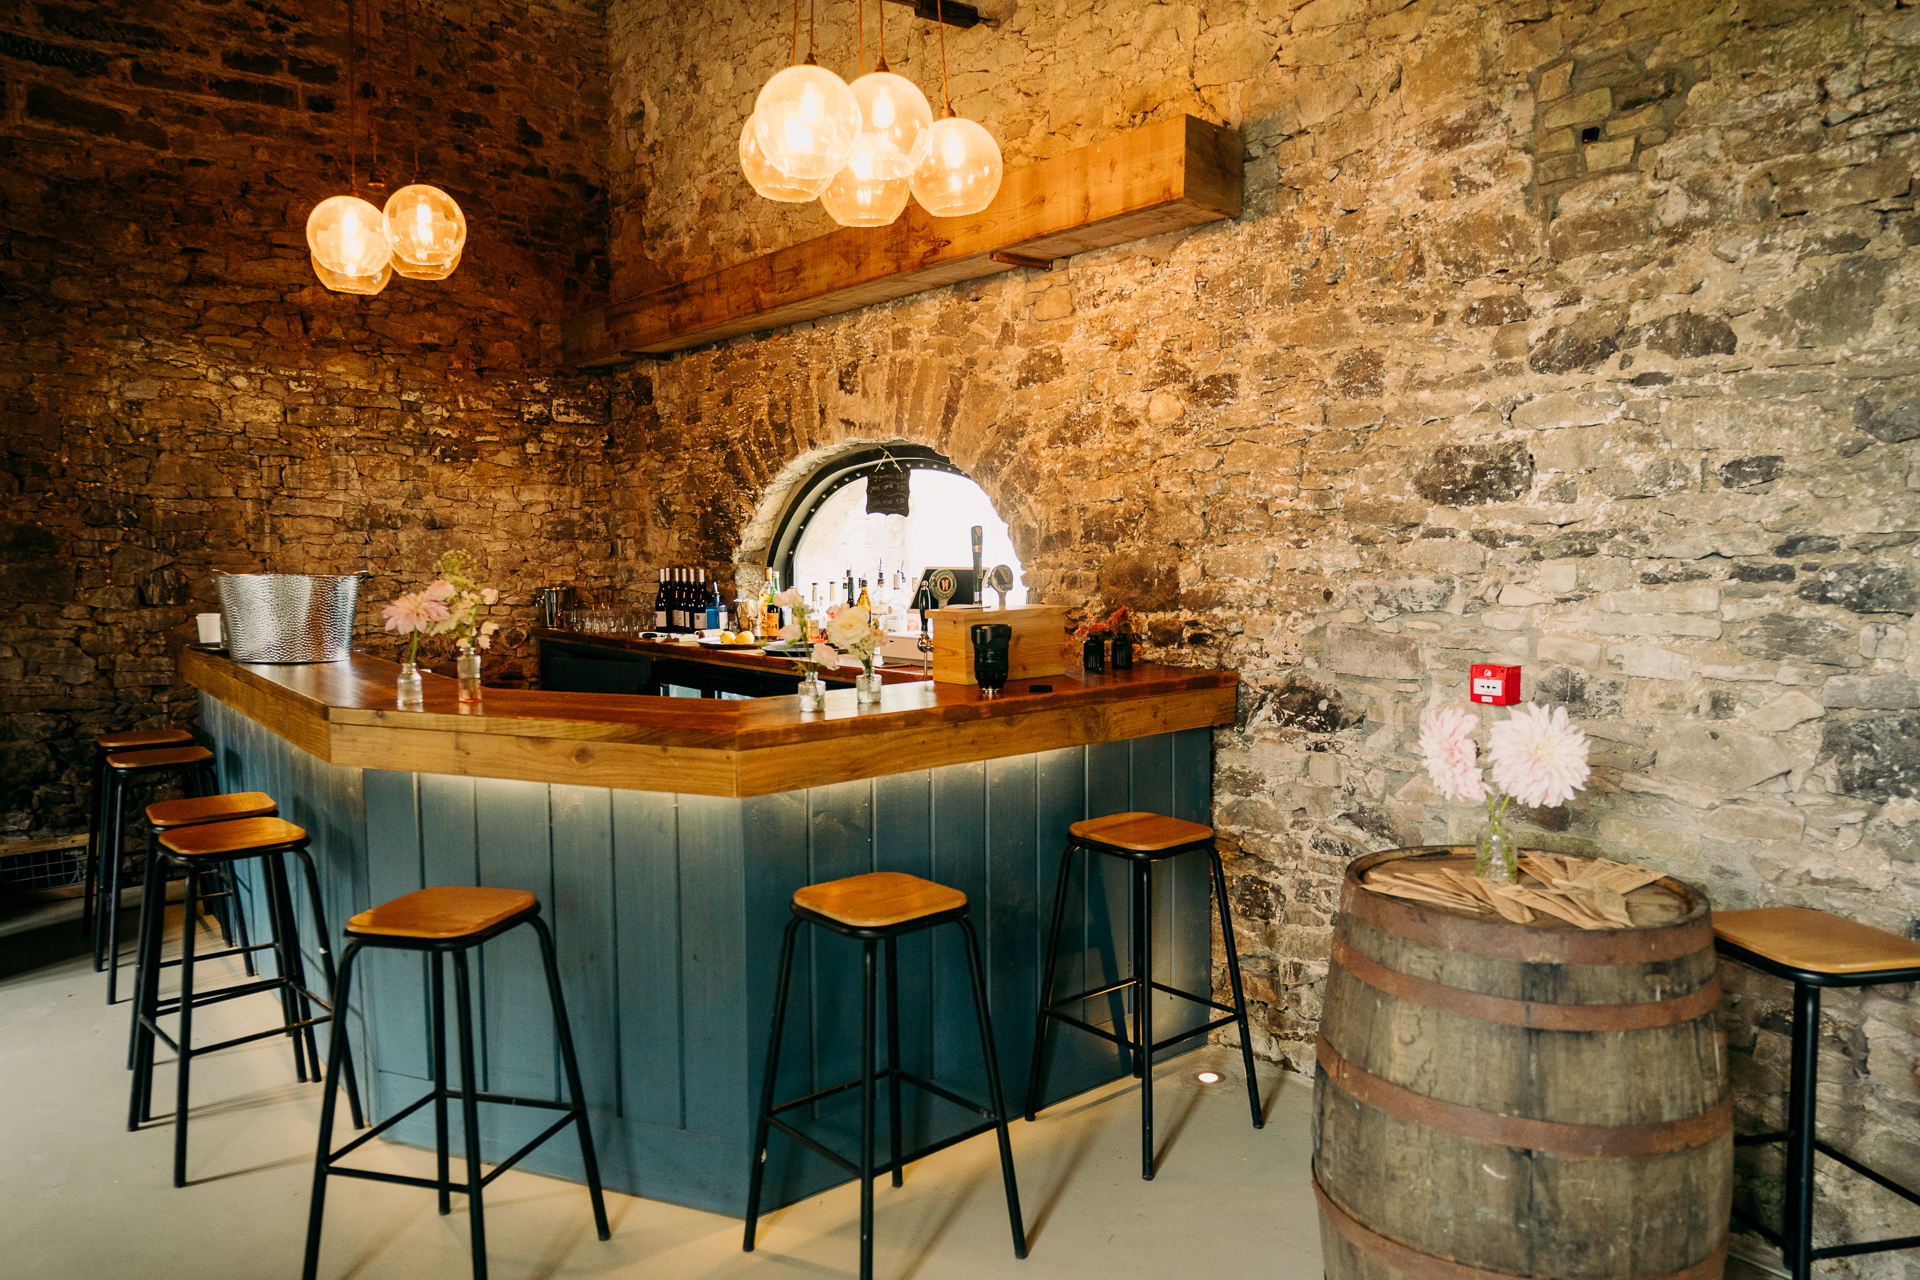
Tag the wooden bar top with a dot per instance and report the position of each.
(344, 712)
(754, 660)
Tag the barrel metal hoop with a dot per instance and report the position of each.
(1572, 1141)
(1526, 1013)
(1501, 940)
(1420, 1265)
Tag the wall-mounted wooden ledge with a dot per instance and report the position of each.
(1161, 177)
(343, 712)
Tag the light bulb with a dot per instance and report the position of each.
(348, 240)
(899, 120)
(428, 231)
(961, 172)
(769, 181)
(804, 123)
(856, 197)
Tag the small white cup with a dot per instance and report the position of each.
(209, 624)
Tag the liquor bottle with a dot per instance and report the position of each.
(660, 604)
(865, 602)
(769, 612)
(851, 599)
(709, 602)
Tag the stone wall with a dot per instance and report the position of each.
(177, 393)
(1574, 334)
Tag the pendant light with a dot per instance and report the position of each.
(347, 236)
(870, 190)
(769, 181)
(961, 171)
(806, 120)
(424, 224)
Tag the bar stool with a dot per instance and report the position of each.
(103, 746)
(1141, 839)
(197, 850)
(450, 920)
(123, 769)
(1812, 949)
(168, 815)
(881, 906)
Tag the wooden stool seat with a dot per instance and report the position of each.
(129, 739)
(1141, 832)
(155, 761)
(194, 811)
(242, 836)
(878, 899)
(1802, 938)
(442, 912)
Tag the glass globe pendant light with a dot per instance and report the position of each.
(348, 238)
(805, 122)
(961, 171)
(769, 181)
(893, 111)
(856, 197)
(427, 230)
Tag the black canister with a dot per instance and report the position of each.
(991, 640)
(1122, 656)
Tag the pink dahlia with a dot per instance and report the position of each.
(1539, 757)
(1446, 743)
(439, 589)
(413, 612)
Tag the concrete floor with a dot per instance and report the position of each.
(82, 1197)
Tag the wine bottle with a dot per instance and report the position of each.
(660, 604)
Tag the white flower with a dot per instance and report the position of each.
(790, 599)
(489, 596)
(1539, 757)
(1446, 744)
(849, 626)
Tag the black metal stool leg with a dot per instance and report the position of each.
(994, 1095)
(185, 1054)
(95, 813)
(866, 1109)
(782, 982)
(106, 915)
(564, 1032)
(146, 996)
(323, 940)
(149, 906)
(470, 1113)
(1233, 979)
(316, 1206)
(437, 1049)
(1143, 1008)
(1802, 1104)
(893, 1060)
(1040, 1019)
(286, 951)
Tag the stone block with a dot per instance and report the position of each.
(1560, 579)
(1568, 409)
(1781, 714)
(1584, 109)
(1471, 475)
(1580, 653)
(1720, 758)
(1864, 588)
(1754, 822)
(1651, 662)
(1357, 652)
(1882, 693)
(1647, 625)
(1781, 636)
(1685, 600)
(1875, 754)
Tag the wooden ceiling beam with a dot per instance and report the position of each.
(1177, 173)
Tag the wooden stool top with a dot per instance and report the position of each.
(187, 813)
(878, 899)
(131, 739)
(164, 758)
(1802, 938)
(443, 911)
(1141, 832)
(231, 837)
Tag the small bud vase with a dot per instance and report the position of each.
(1123, 653)
(866, 686)
(1093, 654)
(1494, 854)
(813, 695)
(408, 693)
(468, 666)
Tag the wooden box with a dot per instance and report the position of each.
(1039, 648)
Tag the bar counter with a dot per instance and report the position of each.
(665, 836)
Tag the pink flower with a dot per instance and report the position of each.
(414, 611)
(1539, 757)
(1446, 743)
(489, 596)
(439, 589)
(827, 656)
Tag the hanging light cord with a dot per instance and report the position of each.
(860, 21)
(406, 16)
(353, 80)
(882, 64)
(812, 31)
(940, 21)
(373, 125)
(793, 58)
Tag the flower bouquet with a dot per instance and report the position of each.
(1536, 756)
(851, 628)
(1092, 635)
(449, 605)
(798, 628)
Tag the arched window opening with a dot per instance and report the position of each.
(828, 533)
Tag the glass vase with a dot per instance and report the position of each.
(1093, 654)
(1123, 653)
(408, 692)
(468, 666)
(1494, 854)
(813, 695)
(866, 687)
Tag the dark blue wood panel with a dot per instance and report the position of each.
(839, 844)
(903, 842)
(1192, 931)
(448, 855)
(1009, 918)
(391, 988)
(1075, 1061)
(713, 891)
(515, 849)
(1109, 893)
(960, 861)
(646, 879)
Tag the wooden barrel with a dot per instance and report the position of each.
(1497, 1099)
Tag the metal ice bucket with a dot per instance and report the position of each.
(288, 617)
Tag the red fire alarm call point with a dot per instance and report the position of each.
(1494, 686)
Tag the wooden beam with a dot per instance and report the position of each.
(1177, 173)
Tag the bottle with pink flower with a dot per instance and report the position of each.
(449, 605)
(1536, 756)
